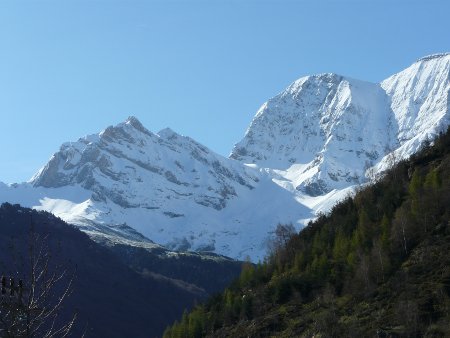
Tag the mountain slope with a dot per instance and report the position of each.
(127, 185)
(331, 132)
(333, 126)
(377, 265)
(115, 163)
(111, 300)
(420, 100)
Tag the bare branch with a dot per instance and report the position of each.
(34, 309)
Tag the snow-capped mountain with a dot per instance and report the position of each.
(335, 127)
(330, 132)
(129, 185)
(420, 101)
(121, 163)
(305, 149)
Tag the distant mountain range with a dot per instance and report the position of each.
(306, 148)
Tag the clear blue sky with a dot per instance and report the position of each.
(203, 68)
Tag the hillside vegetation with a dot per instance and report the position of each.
(377, 266)
(110, 299)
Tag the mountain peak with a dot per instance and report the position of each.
(322, 77)
(419, 96)
(125, 130)
(167, 133)
(434, 57)
(298, 125)
(133, 120)
(327, 76)
(136, 124)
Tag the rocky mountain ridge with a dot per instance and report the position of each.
(342, 130)
(306, 148)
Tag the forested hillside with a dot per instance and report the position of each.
(109, 298)
(377, 266)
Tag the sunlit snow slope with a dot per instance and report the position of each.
(329, 132)
(306, 148)
(127, 182)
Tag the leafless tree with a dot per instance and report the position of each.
(32, 300)
(277, 245)
(370, 172)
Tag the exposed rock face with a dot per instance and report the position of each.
(335, 126)
(338, 128)
(125, 162)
